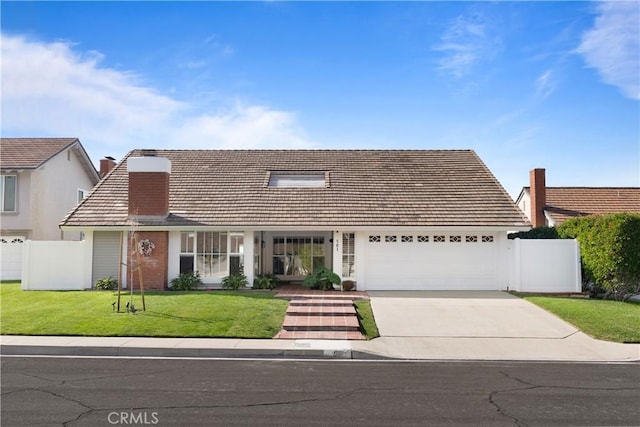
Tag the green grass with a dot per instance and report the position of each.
(241, 314)
(367, 322)
(602, 319)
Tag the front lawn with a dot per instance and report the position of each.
(602, 319)
(238, 314)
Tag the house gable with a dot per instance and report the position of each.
(51, 175)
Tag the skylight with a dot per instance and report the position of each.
(297, 180)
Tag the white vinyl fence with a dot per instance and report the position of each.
(534, 265)
(53, 265)
(11, 260)
(544, 265)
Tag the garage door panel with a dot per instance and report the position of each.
(431, 266)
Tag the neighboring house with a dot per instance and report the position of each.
(41, 180)
(388, 219)
(551, 206)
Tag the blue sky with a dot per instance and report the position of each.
(535, 84)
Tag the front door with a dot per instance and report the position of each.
(295, 255)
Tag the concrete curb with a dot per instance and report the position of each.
(103, 351)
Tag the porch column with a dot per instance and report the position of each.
(337, 253)
(248, 252)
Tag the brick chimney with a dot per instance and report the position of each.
(538, 197)
(106, 165)
(149, 186)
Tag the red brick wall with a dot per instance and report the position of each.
(148, 193)
(154, 266)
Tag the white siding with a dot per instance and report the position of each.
(106, 255)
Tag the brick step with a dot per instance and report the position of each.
(319, 335)
(321, 323)
(320, 302)
(321, 310)
(328, 296)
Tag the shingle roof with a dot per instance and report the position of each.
(366, 188)
(30, 153)
(568, 202)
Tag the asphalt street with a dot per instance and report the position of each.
(166, 392)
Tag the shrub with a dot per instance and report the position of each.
(106, 284)
(321, 278)
(186, 282)
(235, 281)
(265, 281)
(610, 251)
(536, 233)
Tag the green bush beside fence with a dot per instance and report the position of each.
(610, 251)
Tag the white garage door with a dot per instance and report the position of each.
(453, 261)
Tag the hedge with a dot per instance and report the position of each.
(536, 233)
(610, 250)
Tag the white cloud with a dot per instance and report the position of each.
(612, 46)
(50, 89)
(245, 127)
(465, 43)
(545, 85)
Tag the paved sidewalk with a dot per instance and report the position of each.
(576, 347)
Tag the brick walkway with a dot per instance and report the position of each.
(314, 314)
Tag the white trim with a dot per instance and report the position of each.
(148, 164)
(306, 228)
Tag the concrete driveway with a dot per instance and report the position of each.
(463, 314)
(480, 325)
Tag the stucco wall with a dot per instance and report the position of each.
(54, 192)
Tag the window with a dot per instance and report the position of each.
(204, 252)
(236, 254)
(211, 254)
(406, 239)
(390, 239)
(438, 239)
(297, 256)
(487, 239)
(348, 254)
(455, 239)
(297, 180)
(8, 193)
(187, 251)
(374, 239)
(423, 239)
(81, 194)
(471, 239)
